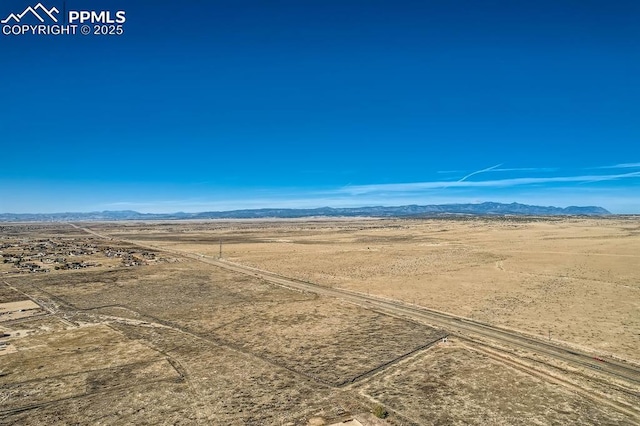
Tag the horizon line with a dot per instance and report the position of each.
(367, 206)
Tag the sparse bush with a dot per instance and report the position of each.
(380, 412)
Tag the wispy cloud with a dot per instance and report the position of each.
(620, 166)
(526, 169)
(495, 183)
(503, 169)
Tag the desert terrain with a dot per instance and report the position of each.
(136, 323)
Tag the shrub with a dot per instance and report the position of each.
(380, 412)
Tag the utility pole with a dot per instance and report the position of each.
(220, 256)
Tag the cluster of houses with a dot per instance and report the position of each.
(30, 267)
(40, 255)
(128, 257)
(76, 265)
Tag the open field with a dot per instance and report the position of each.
(577, 280)
(301, 332)
(481, 389)
(176, 340)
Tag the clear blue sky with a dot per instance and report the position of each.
(215, 105)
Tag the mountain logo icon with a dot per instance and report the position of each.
(38, 11)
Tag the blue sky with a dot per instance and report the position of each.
(220, 105)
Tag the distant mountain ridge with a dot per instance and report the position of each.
(481, 209)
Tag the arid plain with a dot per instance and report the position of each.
(135, 326)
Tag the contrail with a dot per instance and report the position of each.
(480, 171)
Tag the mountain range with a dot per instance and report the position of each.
(480, 209)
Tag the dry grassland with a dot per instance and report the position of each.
(184, 342)
(454, 385)
(575, 279)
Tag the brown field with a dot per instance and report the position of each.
(427, 389)
(578, 279)
(165, 339)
